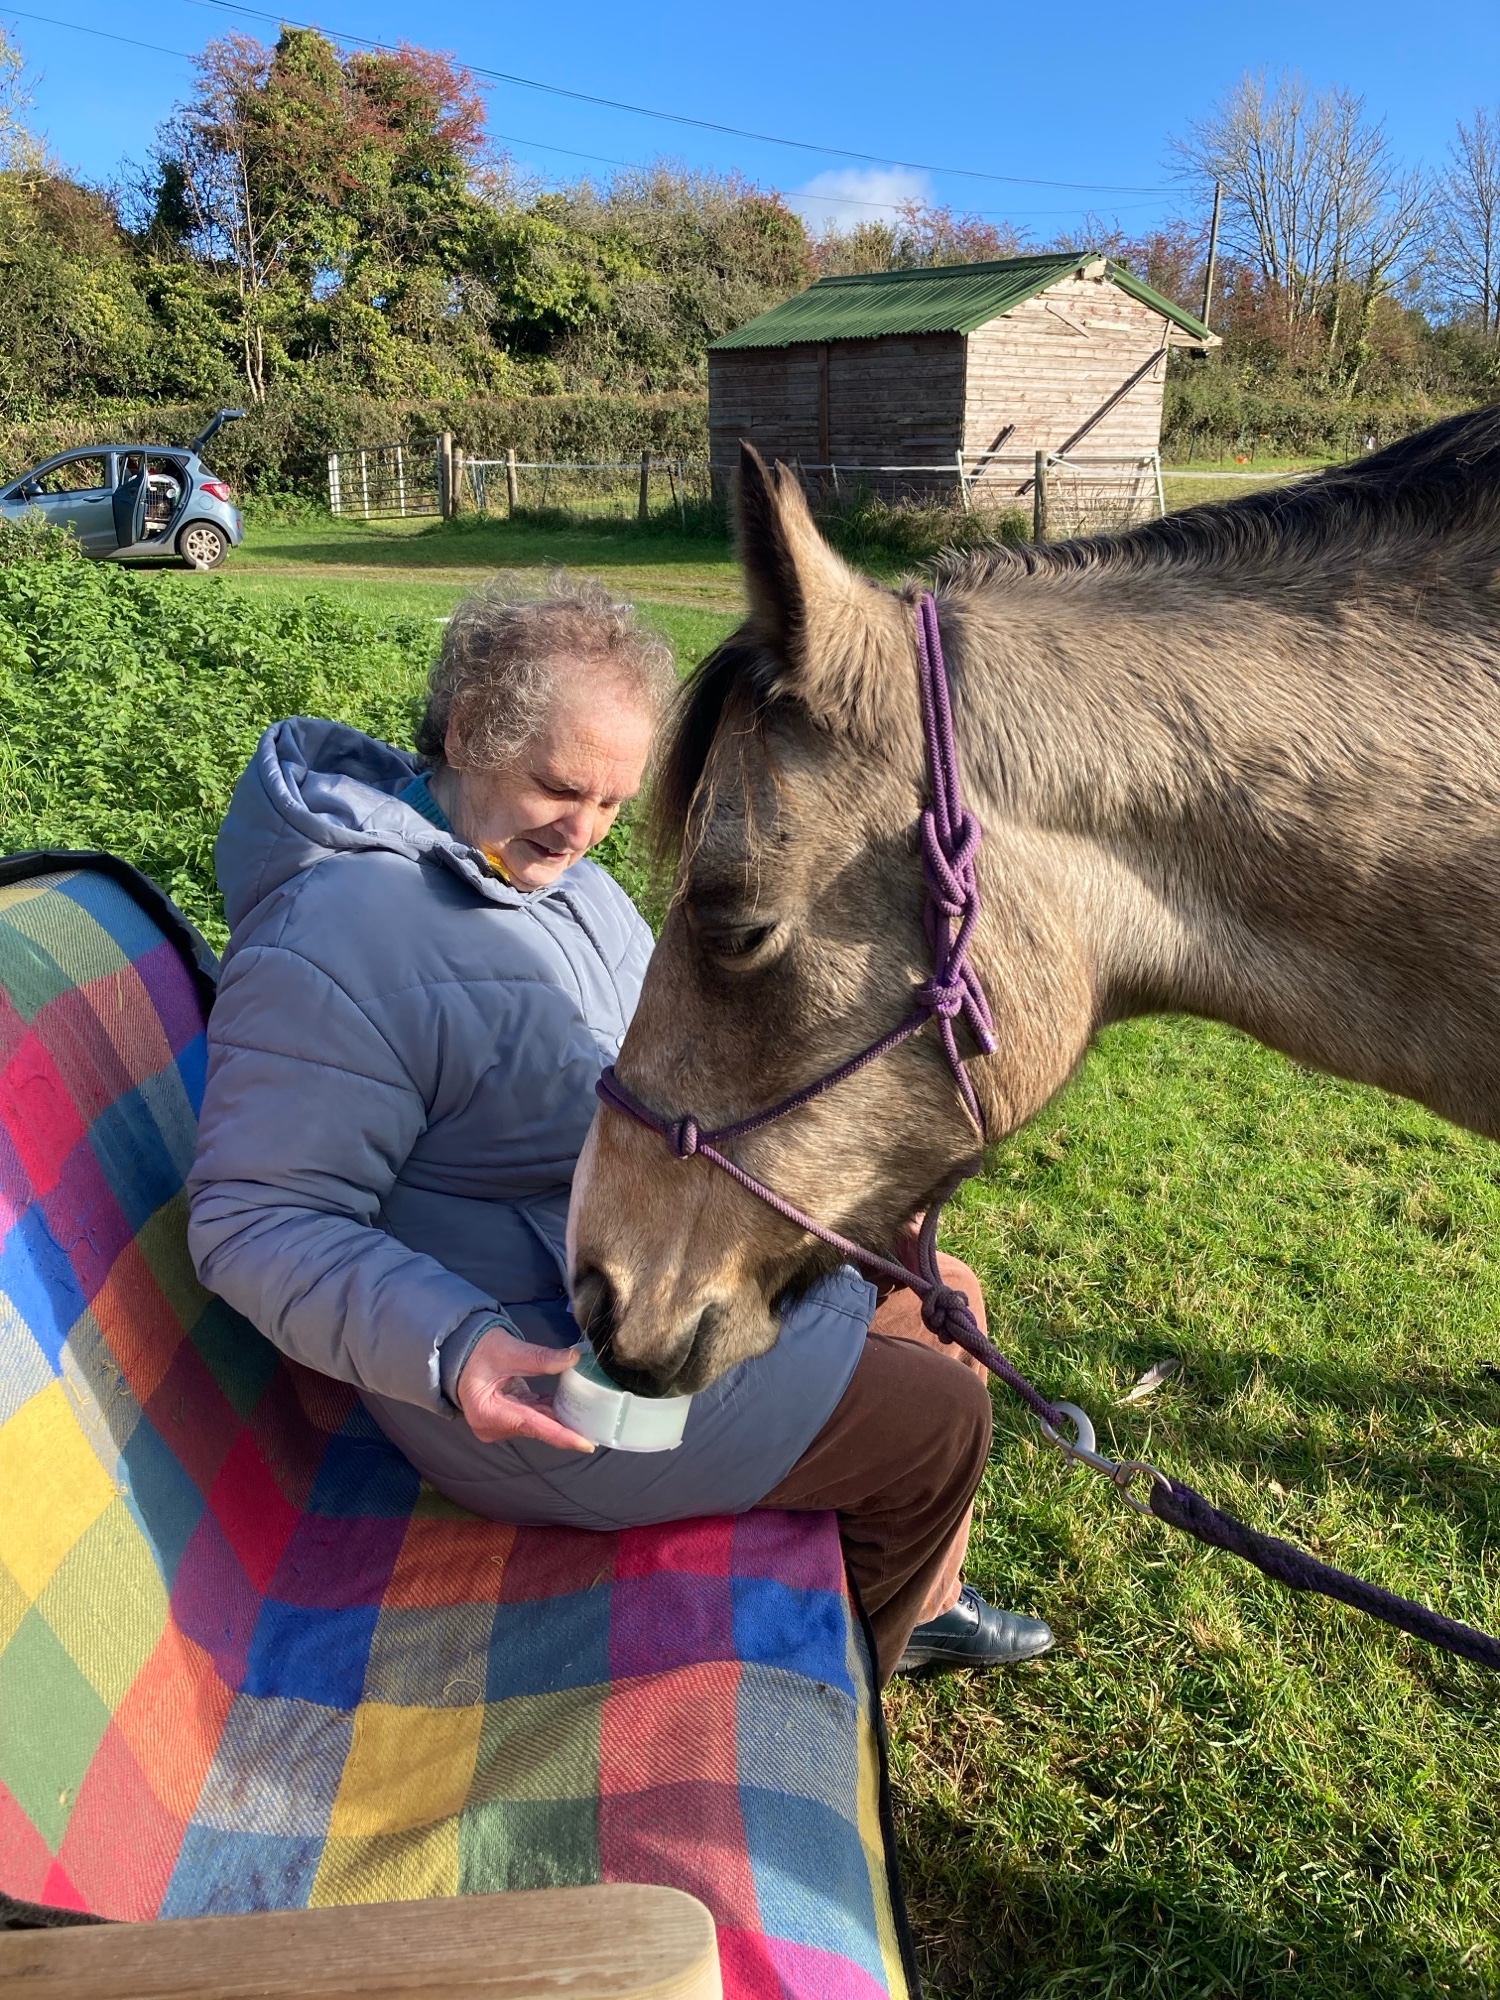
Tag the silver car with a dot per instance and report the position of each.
(126, 500)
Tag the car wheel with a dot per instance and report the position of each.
(202, 546)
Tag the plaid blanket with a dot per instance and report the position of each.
(247, 1661)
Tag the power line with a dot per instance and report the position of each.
(545, 145)
(103, 34)
(681, 118)
(802, 194)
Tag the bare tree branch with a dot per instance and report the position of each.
(1315, 200)
(1465, 237)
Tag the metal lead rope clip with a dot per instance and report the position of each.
(1083, 1448)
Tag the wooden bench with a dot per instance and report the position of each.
(617, 1941)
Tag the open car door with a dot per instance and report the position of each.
(130, 502)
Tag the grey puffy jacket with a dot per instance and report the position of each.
(401, 1071)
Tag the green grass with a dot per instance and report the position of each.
(370, 558)
(1212, 1787)
(1215, 1787)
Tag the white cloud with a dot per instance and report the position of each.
(847, 196)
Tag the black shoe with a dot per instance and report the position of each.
(974, 1634)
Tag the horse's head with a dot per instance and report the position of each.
(791, 789)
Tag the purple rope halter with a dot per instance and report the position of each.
(951, 837)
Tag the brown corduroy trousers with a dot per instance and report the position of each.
(899, 1462)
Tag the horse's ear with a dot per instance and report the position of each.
(830, 629)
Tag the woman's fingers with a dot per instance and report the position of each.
(493, 1396)
(496, 1417)
(545, 1360)
(499, 1355)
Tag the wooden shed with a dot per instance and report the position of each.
(946, 382)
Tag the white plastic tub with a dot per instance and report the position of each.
(589, 1403)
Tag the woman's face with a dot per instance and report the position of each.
(561, 793)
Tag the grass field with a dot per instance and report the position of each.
(422, 568)
(1212, 1787)
(426, 566)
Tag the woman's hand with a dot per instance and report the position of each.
(495, 1400)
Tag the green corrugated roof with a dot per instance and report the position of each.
(949, 298)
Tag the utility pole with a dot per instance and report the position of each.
(1213, 253)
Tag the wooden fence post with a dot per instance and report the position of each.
(512, 481)
(1039, 500)
(458, 479)
(643, 506)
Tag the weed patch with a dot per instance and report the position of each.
(130, 704)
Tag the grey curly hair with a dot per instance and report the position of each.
(504, 654)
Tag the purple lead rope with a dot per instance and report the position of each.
(950, 839)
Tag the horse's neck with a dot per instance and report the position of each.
(1276, 828)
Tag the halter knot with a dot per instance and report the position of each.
(945, 998)
(948, 861)
(683, 1137)
(948, 1313)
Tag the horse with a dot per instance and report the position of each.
(1241, 761)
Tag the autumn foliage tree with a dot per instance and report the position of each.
(299, 173)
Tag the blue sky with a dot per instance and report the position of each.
(1082, 94)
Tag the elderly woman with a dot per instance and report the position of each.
(425, 977)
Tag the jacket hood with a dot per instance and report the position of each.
(314, 789)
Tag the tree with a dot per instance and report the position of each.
(1315, 202)
(1466, 235)
(298, 171)
(627, 284)
(919, 235)
(20, 151)
(74, 325)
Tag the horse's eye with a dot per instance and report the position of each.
(736, 941)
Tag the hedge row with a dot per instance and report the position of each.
(1208, 412)
(283, 447)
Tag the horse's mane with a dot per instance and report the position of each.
(1443, 484)
(730, 683)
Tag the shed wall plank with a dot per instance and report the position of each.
(1049, 365)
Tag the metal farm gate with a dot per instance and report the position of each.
(615, 488)
(387, 482)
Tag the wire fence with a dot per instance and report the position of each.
(431, 477)
(1083, 492)
(1080, 493)
(592, 488)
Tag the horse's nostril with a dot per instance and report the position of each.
(595, 1307)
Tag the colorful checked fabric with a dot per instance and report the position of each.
(248, 1662)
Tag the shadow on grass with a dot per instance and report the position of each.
(469, 543)
(993, 1925)
(1204, 1426)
